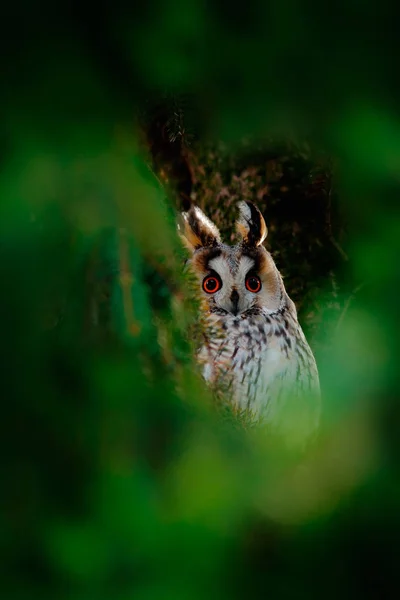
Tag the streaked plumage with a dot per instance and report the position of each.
(254, 344)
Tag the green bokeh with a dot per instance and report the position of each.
(120, 479)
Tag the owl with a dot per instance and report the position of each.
(253, 342)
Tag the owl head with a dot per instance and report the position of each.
(240, 280)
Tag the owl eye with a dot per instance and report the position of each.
(211, 284)
(253, 284)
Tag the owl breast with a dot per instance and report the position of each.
(265, 364)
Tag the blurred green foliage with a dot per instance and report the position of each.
(120, 479)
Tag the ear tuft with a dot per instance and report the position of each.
(197, 231)
(251, 224)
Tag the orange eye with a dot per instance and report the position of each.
(211, 284)
(253, 284)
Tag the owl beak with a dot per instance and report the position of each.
(235, 302)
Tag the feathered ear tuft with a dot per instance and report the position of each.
(251, 224)
(197, 231)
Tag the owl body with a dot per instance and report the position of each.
(253, 343)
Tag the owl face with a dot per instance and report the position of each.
(239, 280)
